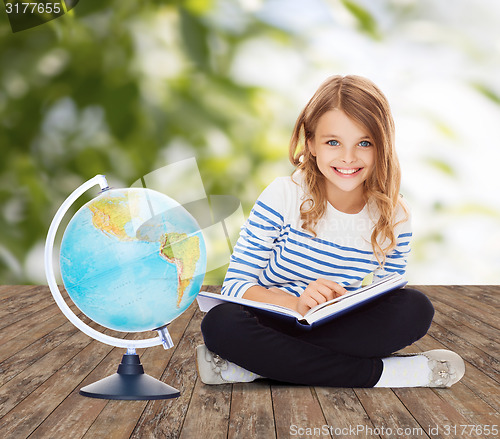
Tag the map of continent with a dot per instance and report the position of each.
(183, 251)
(112, 217)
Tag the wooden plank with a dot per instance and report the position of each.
(4, 289)
(455, 322)
(74, 416)
(22, 420)
(476, 332)
(480, 314)
(251, 411)
(482, 370)
(25, 332)
(467, 351)
(472, 386)
(469, 405)
(430, 407)
(454, 341)
(7, 291)
(208, 413)
(25, 315)
(296, 411)
(21, 334)
(25, 303)
(23, 359)
(388, 414)
(484, 294)
(38, 388)
(164, 419)
(118, 419)
(23, 293)
(430, 410)
(344, 413)
(464, 303)
(26, 382)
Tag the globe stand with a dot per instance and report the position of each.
(130, 383)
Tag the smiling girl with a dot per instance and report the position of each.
(337, 222)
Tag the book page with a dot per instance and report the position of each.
(381, 281)
(208, 300)
(351, 300)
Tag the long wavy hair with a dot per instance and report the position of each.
(365, 104)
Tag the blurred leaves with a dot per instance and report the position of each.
(441, 166)
(124, 88)
(488, 92)
(366, 22)
(194, 35)
(117, 88)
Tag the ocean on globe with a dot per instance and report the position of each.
(132, 259)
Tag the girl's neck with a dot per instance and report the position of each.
(346, 202)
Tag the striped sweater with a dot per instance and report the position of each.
(274, 251)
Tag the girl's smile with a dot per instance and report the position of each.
(347, 172)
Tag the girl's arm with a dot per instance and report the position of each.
(271, 295)
(397, 259)
(256, 243)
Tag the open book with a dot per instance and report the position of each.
(321, 313)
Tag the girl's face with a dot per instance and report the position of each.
(344, 153)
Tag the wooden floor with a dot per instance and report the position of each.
(44, 361)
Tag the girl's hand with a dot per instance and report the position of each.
(318, 291)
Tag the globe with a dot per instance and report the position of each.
(132, 259)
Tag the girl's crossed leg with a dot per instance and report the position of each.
(345, 352)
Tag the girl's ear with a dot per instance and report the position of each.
(310, 147)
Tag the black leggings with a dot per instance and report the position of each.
(345, 352)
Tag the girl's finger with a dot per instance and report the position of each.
(319, 297)
(334, 286)
(308, 301)
(316, 288)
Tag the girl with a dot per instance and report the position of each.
(337, 221)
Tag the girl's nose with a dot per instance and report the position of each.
(348, 155)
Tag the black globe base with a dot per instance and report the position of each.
(130, 383)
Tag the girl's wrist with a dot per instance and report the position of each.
(271, 295)
(285, 299)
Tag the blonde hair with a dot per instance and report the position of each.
(365, 104)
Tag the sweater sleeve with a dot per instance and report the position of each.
(256, 242)
(397, 259)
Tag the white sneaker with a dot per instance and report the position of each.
(213, 369)
(446, 367)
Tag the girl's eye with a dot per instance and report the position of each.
(333, 143)
(365, 143)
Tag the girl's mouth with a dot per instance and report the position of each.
(347, 172)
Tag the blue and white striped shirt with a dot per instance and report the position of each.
(274, 251)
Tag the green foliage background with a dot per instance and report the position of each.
(126, 87)
(76, 103)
